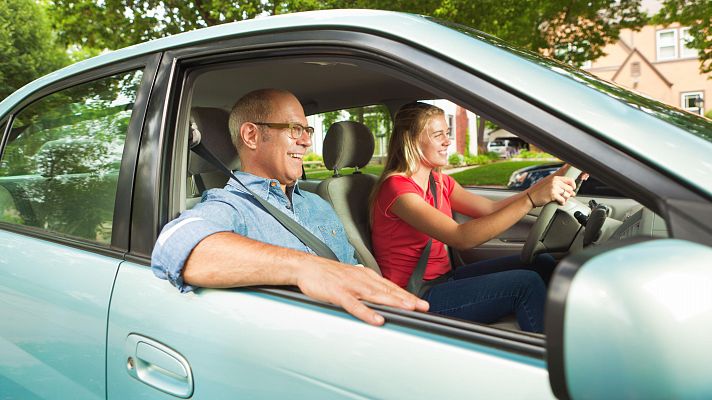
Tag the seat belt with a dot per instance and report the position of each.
(415, 283)
(306, 237)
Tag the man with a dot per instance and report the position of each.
(229, 240)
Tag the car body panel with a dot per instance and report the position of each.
(54, 302)
(242, 343)
(255, 343)
(670, 359)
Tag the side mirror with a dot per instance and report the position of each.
(632, 319)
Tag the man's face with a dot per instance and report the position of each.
(278, 156)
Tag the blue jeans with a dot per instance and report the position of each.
(543, 265)
(488, 290)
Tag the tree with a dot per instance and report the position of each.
(27, 46)
(572, 31)
(112, 24)
(697, 14)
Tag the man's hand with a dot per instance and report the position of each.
(347, 286)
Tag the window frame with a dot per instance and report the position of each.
(683, 105)
(689, 52)
(674, 44)
(119, 243)
(154, 200)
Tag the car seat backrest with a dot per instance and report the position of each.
(350, 144)
(212, 123)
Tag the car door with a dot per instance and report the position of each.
(274, 342)
(63, 230)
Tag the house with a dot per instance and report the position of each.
(656, 62)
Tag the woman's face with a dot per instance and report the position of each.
(434, 142)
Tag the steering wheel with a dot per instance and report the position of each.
(534, 244)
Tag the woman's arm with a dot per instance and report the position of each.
(412, 209)
(475, 206)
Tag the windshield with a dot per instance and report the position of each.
(694, 124)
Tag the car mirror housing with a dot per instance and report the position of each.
(631, 320)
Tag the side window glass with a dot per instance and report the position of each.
(378, 120)
(60, 167)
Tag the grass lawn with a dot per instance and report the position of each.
(496, 174)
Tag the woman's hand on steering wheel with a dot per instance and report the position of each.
(553, 188)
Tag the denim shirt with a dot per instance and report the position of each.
(232, 209)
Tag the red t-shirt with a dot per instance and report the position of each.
(397, 246)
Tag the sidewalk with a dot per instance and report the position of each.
(450, 171)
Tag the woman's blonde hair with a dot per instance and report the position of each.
(404, 152)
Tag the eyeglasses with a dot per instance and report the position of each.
(295, 130)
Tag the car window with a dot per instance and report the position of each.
(59, 169)
(378, 120)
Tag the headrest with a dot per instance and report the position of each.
(348, 144)
(215, 135)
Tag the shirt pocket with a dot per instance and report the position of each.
(333, 236)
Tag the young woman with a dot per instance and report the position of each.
(404, 219)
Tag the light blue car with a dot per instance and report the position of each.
(94, 160)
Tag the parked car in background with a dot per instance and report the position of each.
(95, 160)
(506, 147)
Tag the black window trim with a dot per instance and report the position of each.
(122, 206)
(454, 81)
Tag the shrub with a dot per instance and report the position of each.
(492, 156)
(709, 114)
(532, 154)
(478, 160)
(456, 159)
(313, 157)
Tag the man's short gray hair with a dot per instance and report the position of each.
(255, 106)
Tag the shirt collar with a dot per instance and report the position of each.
(257, 184)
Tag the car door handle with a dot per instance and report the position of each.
(158, 366)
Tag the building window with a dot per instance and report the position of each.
(692, 102)
(635, 69)
(667, 44)
(685, 39)
(451, 124)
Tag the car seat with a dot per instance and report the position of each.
(350, 144)
(212, 125)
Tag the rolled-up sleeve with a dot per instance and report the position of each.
(180, 236)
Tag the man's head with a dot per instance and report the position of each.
(269, 151)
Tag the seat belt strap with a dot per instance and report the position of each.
(416, 279)
(306, 237)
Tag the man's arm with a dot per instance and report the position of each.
(226, 259)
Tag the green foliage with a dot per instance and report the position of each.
(709, 114)
(112, 24)
(496, 174)
(27, 45)
(533, 154)
(479, 160)
(467, 143)
(456, 159)
(311, 156)
(572, 31)
(59, 170)
(697, 14)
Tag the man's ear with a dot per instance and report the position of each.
(248, 134)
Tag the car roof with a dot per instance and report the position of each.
(642, 127)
